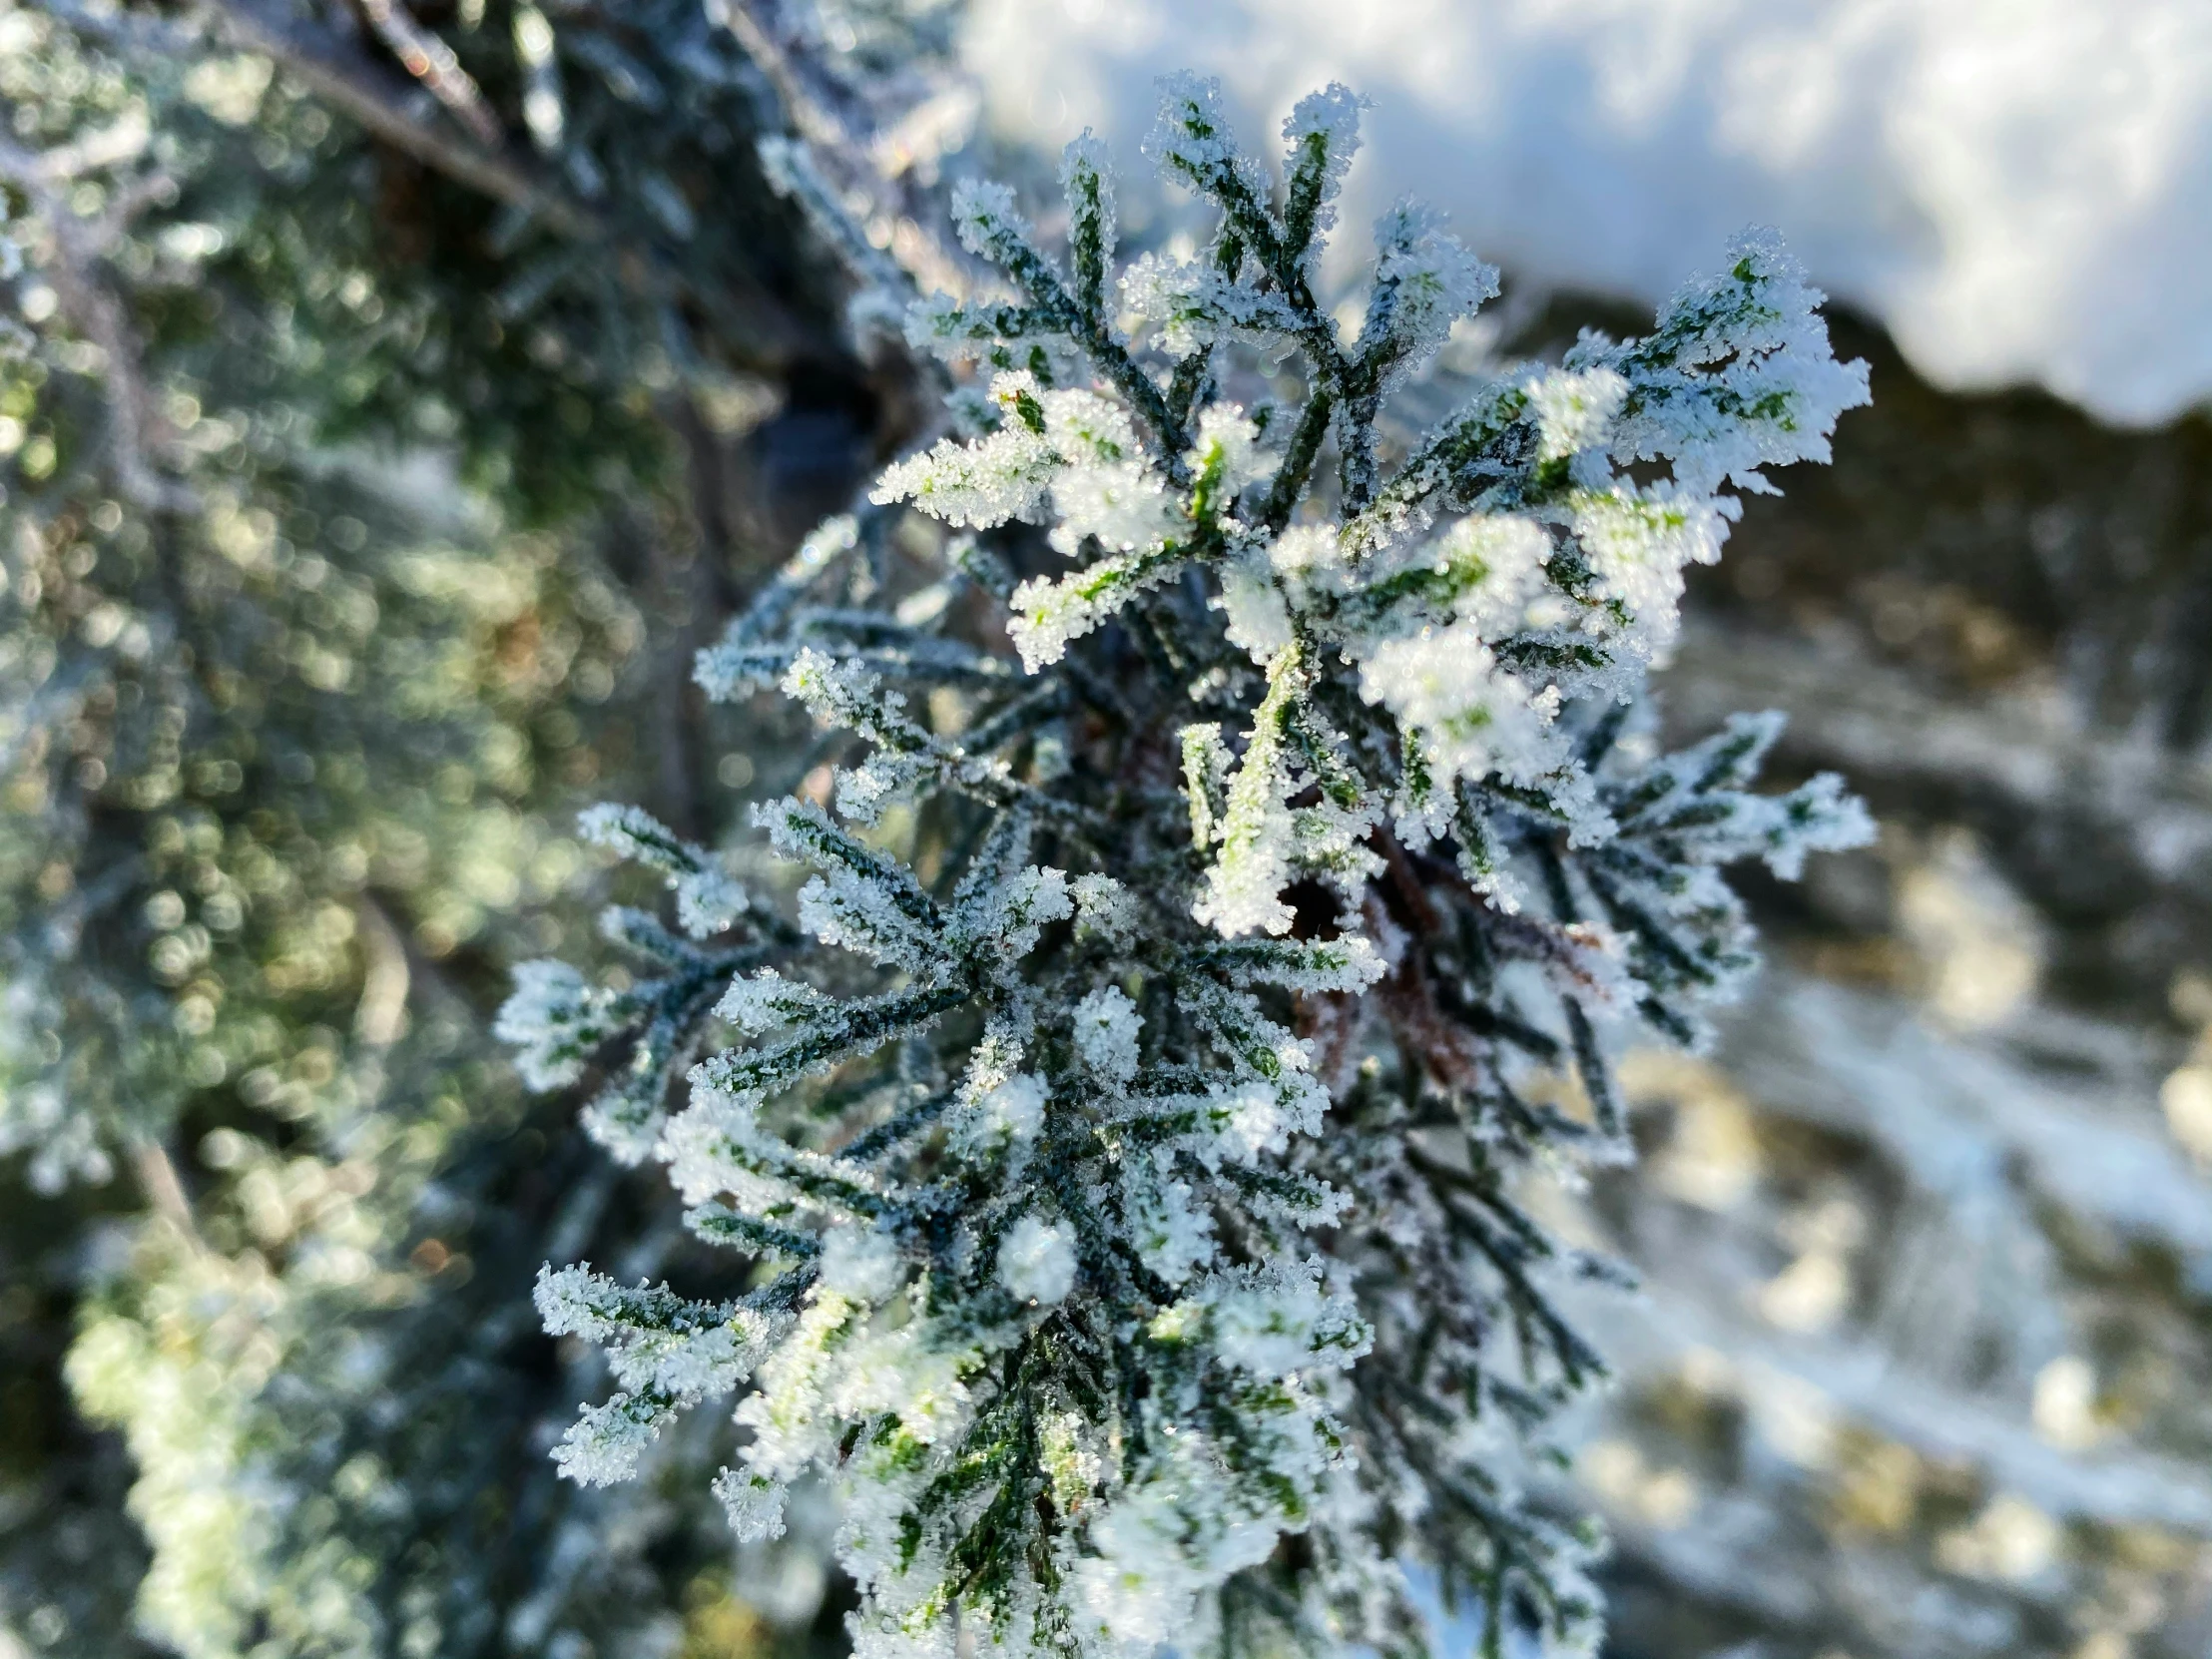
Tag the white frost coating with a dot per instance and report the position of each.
(841, 908)
(1189, 127)
(767, 1000)
(623, 828)
(1036, 1261)
(1228, 453)
(1310, 562)
(754, 1503)
(1008, 1116)
(1106, 1026)
(654, 1339)
(1181, 1528)
(1575, 411)
(1257, 619)
(981, 483)
(1278, 1321)
(1427, 280)
(1750, 384)
(603, 1445)
(979, 206)
(1348, 964)
(1639, 542)
(1174, 1235)
(1497, 567)
(1326, 121)
(667, 1353)
(1103, 905)
(2021, 188)
(835, 693)
(1010, 921)
(1244, 888)
(1446, 684)
(1123, 505)
(1171, 295)
(1251, 1118)
(538, 1021)
(1090, 155)
(1071, 447)
(860, 1263)
(712, 1149)
(880, 1639)
(708, 899)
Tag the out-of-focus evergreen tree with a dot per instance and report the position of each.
(389, 399)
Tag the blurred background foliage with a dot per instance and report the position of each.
(392, 402)
(361, 520)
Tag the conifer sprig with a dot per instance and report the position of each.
(1132, 1128)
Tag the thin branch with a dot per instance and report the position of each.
(164, 1190)
(347, 76)
(813, 103)
(386, 976)
(808, 103)
(430, 61)
(92, 308)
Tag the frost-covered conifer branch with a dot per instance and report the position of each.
(1134, 1126)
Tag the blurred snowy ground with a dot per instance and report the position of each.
(2020, 190)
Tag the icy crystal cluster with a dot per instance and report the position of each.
(1119, 1133)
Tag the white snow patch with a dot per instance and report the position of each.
(2022, 190)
